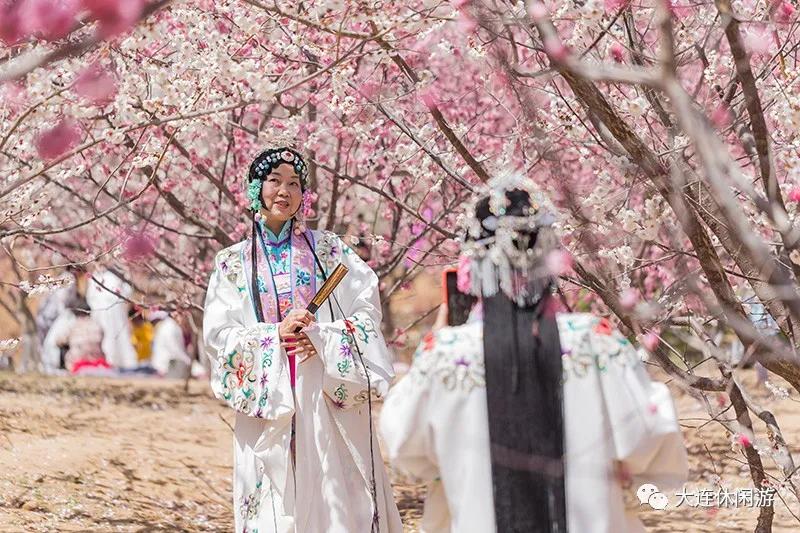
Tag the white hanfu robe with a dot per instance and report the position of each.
(51, 351)
(434, 423)
(168, 346)
(110, 311)
(329, 490)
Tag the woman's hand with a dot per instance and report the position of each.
(296, 319)
(299, 345)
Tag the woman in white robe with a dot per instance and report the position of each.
(169, 357)
(329, 476)
(104, 293)
(51, 349)
(619, 428)
(434, 425)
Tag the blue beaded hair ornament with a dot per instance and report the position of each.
(264, 164)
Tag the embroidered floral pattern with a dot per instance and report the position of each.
(344, 367)
(237, 374)
(340, 393)
(362, 325)
(327, 248)
(251, 503)
(230, 265)
(240, 384)
(303, 278)
(287, 254)
(590, 343)
(361, 397)
(452, 355)
(455, 354)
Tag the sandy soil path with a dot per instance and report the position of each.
(91, 454)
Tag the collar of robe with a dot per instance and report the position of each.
(302, 272)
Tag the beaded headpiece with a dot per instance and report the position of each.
(509, 236)
(265, 163)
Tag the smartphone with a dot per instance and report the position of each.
(459, 304)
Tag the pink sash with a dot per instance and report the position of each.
(303, 280)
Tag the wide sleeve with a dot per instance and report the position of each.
(646, 435)
(57, 335)
(246, 368)
(342, 344)
(404, 422)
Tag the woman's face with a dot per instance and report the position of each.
(281, 193)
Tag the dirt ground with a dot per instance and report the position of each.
(92, 454)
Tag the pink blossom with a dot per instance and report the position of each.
(114, 16)
(679, 11)
(757, 41)
(58, 140)
(458, 4)
(784, 13)
(368, 89)
(500, 80)
(651, 340)
(559, 262)
(615, 5)
(11, 27)
(743, 440)
(722, 400)
(12, 95)
(138, 245)
(617, 52)
(50, 19)
(721, 116)
(96, 85)
(240, 228)
(629, 298)
(464, 274)
(466, 23)
(555, 49)
(429, 97)
(537, 10)
(794, 195)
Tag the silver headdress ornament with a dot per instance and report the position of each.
(508, 249)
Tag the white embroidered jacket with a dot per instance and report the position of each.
(434, 424)
(249, 371)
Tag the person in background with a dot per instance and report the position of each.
(84, 338)
(141, 336)
(169, 348)
(107, 296)
(54, 346)
(525, 419)
(51, 308)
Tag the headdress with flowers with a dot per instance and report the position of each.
(265, 163)
(507, 248)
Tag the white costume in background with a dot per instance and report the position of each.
(53, 307)
(111, 313)
(434, 422)
(168, 346)
(51, 351)
(329, 491)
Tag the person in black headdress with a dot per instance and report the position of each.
(302, 384)
(524, 419)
